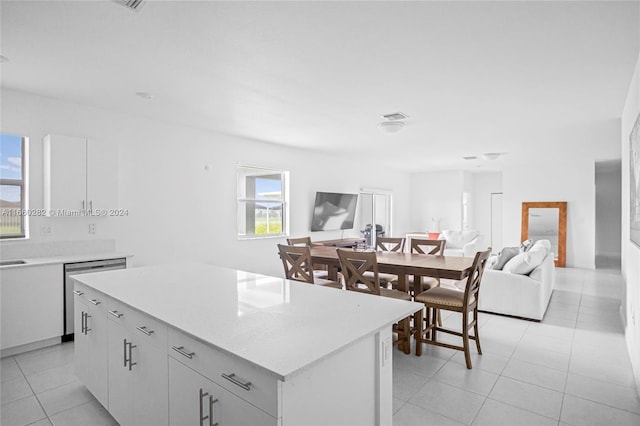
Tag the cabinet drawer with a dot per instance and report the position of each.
(90, 297)
(139, 324)
(247, 381)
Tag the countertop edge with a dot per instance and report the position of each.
(49, 260)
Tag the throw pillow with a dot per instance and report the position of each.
(526, 262)
(504, 256)
(546, 244)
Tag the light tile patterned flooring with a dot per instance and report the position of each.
(570, 369)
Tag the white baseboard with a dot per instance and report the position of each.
(29, 347)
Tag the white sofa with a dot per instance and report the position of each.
(519, 295)
(461, 243)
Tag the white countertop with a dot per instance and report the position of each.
(47, 260)
(280, 325)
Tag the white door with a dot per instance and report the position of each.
(120, 378)
(97, 333)
(187, 406)
(375, 210)
(196, 400)
(496, 222)
(151, 384)
(80, 345)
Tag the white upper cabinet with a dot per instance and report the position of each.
(79, 174)
(102, 175)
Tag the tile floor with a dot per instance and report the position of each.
(570, 369)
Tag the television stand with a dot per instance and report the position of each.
(342, 242)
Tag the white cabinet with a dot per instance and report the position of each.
(120, 377)
(251, 384)
(221, 367)
(90, 347)
(79, 174)
(138, 372)
(196, 400)
(31, 307)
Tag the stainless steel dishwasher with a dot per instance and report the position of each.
(82, 268)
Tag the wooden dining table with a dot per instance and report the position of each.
(401, 264)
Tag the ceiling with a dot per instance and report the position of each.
(523, 78)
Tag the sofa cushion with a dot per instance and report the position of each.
(504, 256)
(526, 262)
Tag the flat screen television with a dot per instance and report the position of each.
(333, 211)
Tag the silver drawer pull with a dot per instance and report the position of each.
(181, 351)
(94, 301)
(232, 378)
(78, 292)
(144, 330)
(116, 314)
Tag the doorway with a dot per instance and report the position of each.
(496, 222)
(608, 185)
(375, 214)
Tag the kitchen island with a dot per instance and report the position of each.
(200, 344)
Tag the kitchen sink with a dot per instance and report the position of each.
(12, 262)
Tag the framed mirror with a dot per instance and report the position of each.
(547, 220)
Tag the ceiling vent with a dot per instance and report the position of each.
(134, 5)
(395, 116)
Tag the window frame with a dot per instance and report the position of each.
(243, 171)
(24, 196)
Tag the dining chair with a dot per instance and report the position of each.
(423, 246)
(296, 261)
(451, 299)
(318, 270)
(388, 244)
(301, 241)
(354, 265)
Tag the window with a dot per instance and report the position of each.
(263, 207)
(13, 188)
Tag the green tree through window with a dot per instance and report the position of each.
(262, 202)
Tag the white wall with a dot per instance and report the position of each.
(484, 184)
(630, 252)
(178, 211)
(436, 195)
(439, 194)
(555, 181)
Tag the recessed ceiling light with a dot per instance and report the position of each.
(395, 116)
(3, 59)
(391, 126)
(144, 95)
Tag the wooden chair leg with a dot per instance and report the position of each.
(434, 321)
(439, 319)
(475, 331)
(465, 340)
